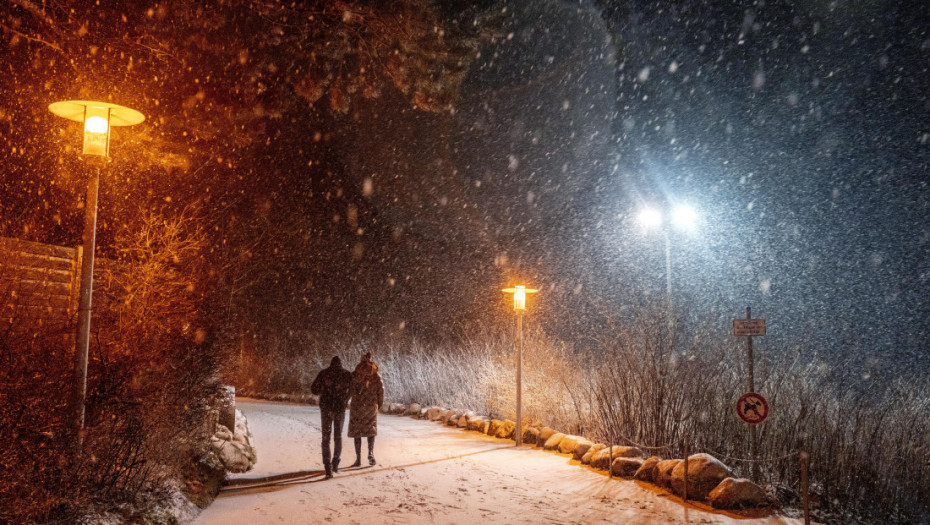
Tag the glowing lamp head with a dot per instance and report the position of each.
(98, 119)
(519, 296)
(684, 217)
(96, 125)
(97, 131)
(650, 218)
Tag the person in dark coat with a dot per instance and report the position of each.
(333, 385)
(367, 398)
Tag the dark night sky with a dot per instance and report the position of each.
(798, 130)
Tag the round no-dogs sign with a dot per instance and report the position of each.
(752, 408)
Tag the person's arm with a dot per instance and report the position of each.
(348, 382)
(380, 393)
(317, 387)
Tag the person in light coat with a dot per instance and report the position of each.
(367, 397)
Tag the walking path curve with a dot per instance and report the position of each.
(429, 473)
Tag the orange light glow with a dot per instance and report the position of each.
(96, 125)
(519, 296)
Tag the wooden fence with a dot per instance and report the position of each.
(39, 286)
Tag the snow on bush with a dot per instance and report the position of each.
(235, 449)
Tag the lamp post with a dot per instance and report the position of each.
(98, 119)
(684, 217)
(519, 306)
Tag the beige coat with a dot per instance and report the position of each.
(367, 398)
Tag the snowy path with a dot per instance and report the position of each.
(428, 473)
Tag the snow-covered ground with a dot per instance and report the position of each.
(429, 473)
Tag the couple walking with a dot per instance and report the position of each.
(335, 386)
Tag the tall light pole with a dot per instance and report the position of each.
(98, 118)
(683, 217)
(519, 306)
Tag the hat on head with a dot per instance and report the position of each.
(336, 361)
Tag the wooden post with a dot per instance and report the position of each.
(805, 493)
(752, 388)
(610, 458)
(685, 496)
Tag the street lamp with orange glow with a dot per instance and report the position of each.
(519, 306)
(98, 119)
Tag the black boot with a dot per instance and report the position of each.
(358, 453)
(336, 465)
(329, 470)
(371, 450)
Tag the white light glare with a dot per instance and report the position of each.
(684, 217)
(650, 218)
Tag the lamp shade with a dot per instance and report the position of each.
(98, 118)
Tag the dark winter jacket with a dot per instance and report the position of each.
(333, 385)
(367, 398)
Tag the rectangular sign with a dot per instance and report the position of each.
(749, 327)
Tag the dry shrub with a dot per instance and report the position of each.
(653, 384)
(34, 480)
(659, 386)
(151, 375)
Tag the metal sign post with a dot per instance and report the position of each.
(749, 328)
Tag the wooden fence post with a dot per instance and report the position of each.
(685, 496)
(805, 493)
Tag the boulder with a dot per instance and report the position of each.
(625, 467)
(422, 414)
(478, 424)
(493, 426)
(506, 430)
(581, 449)
(453, 420)
(530, 435)
(397, 409)
(569, 442)
(602, 459)
(434, 413)
(586, 458)
(235, 448)
(733, 493)
(446, 416)
(663, 472)
(553, 442)
(704, 473)
(544, 434)
(413, 410)
(462, 420)
(647, 472)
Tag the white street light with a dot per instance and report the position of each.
(650, 218)
(684, 217)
